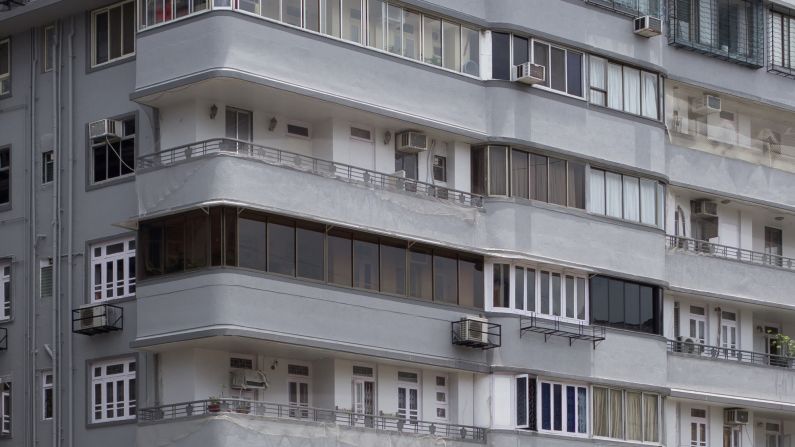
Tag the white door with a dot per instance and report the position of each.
(363, 401)
(408, 396)
(696, 329)
(698, 427)
(728, 333)
(298, 394)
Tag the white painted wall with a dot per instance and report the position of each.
(483, 400)
(502, 403)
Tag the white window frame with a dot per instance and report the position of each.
(698, 421)
(606, 90)
(728, 325)
(5, 299)
(5, 78)
(93, 31)
(298, 380)
(48, 53)
(563, 412)
(6, 406)
(126, 257)
(550, 45)
(409, 386)
(124, 379)
(659, 208)
(624, 407)
(47, 385)
(437, 405)
(45, 265)
(488, 271)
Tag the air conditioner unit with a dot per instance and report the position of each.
(97, 317)
(706, 105)
(473, 329)
(704, 208)
(411, 142)
(648, 26)
(249, 379)
(530, 73)
(104, 128)
(735, 416)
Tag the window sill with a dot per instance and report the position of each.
(129, 421)
(112, 182)
(109, 301)
(109, 64)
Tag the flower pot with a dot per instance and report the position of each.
(214, 408)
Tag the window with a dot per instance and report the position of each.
(238, 124)
(626, 415)
(530, 176)
(297, 130)
(113, 390)
(113, 33)
(441, 399)
(623, 88)
(782, 44)
(408, 163)
(46, 395)
(5, 290)
(45, 278)
(5, 175)
(5, 407)
(49, 48)
(113, 269)
(307, 250)
(298, 389)
(698, 427)
(154, 12)
(47, 167)
(563, 67)
(626, 197)
(624, 304)
(114, 157)
(358, 133)
(563, 408)
(5, 67)
(525, 402)
(439, 168)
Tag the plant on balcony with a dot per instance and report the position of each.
(785, 346)
(214, 404)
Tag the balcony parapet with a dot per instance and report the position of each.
(316, 166)
(211, 407)
(730, 253)
(692, 348)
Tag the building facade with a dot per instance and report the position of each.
(415, 222)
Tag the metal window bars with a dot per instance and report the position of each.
(731, 30)
(726, 252)
(690, 347)
(555, 327)
(209, 407)
(324, 168)
(3, 339)
(781, 41)
(632, 8)
(97, 319)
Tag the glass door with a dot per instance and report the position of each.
(363, 402)
(298, 394)
(238, 127)
(408, 396)
(698, 427)
(773, 245)
(728, 333)
(696, 336)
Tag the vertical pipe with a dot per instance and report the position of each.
(70, 237)
(32, 240)
(56, 185)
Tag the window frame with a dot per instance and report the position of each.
(93, 35)
(659, 192)
(606, 90)
(442, 168)
(550, 45)
(47, 167)
(540, 409)
(95, 144)
(128, 259)
(45, 387)
(6, 409)
(5, 78)
(127, 376)
(6, 304)
(48, 52)
(786, 19)
(624, 418)
(7, 149)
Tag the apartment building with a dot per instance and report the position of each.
(414, 223)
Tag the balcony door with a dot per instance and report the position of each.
(698, 427)
(408, 396)
(774, 245)
(298, 389)
(728, 332)
(696, 336)
(363, 396)
(238, 127)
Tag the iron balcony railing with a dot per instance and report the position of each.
(295, 412)
(733, 253)
(732, 30)
(633, 8)
(688, 346)
(325, 168)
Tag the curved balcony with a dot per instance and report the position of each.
(729, 253)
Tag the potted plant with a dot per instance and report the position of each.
(785, 345)
(214, 406)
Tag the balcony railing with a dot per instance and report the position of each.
(633, 8)
(732, 30)
(557, 328)
(732, 253)
(690, 347)
(325, 168)
(343, 418)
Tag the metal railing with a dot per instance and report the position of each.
(781, 37)
(633, 8)
(716, 352)
(733, 253)
(97, 319)
(554, 327)
(732, 30)
(310, 414)
(325, 168)
(476, 334)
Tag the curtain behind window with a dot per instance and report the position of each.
(613, 194)
(598, 77)
(617, 415)
(631, 198)
(498, 170)
(601, 412)
(614, 87)
(648, 192)
(632, 90)
(649, 95)
(596, 190)
(651, 418)
(634, 417)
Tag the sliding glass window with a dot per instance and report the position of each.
(623, 88)
(626, 197)
(625, 304)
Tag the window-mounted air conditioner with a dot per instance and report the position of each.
(648, 26)
(704, 208)
(97, 317)
(706, 105)
(735, 416)
(104, 128)
(474, 329)
(411, 142)
(530, 73)
(249, 379)
(689, 345)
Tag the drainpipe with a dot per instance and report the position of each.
(56, 259)
(70, 145)
(32, 239)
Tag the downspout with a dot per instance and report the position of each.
(56, 259)
(70, 238)
(32, 239)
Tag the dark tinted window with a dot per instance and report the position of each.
(538, 180)
(557, 181)
(574, 73)
(339, 258)
(519, 174)
(576, 182)
(251, 246)
(420, 273)
(624, 304)
(365, 264)
(393, 267)
(445, 278)
(521, 50)
(501, 56)
(470, 283)
(310, 251)
(281, 246)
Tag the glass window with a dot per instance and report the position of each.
(408, 163)
(544, 286)
(502, 285)
(5, 290)
(616, 302)
(269, 8)
(394, 29)
(113, 31)
(113, 269)
(565, 411)
(339, 258)
(393, 267)
(598, 78)
(291, 12)
(557, 181)
(625, 415)
(541, 57)
(574, 73)
(113, 390)
(312, 15)
(420, 273)
(46, 395)
(521, 50)
(352, 20)
(47, 166)
(5, 66)
(470, 283)
(498, 170)
(281, 246)
(310, 251)
(631, 90)
(557, 73)
(470, 51)
(631, 198)
(445, 278)
(596, 191)
(5, 175)
(114, 156)
(531, 290)
(439, 168)
(411, 35)
(252, 243)
(648, 191)
(451, 45)
(632, 305)
(432, 40)
(624, 304)
(375, 24)
(519, 289)
(365, 263)
(331, 21)
(613, 194)
(557, 297)
(600, 304)
(519, 174)
(576, 185)
(500, 56)
(175, 245)
(538, 177)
